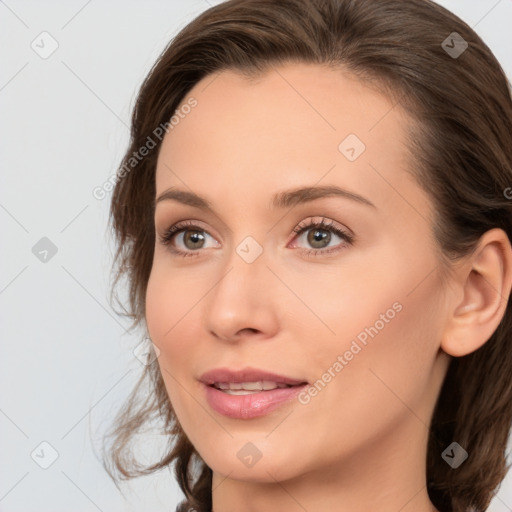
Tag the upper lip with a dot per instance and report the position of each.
(246, 374)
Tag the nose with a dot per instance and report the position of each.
(243, 303)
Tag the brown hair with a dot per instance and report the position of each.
(462, 147)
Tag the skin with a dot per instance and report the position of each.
(360, 443)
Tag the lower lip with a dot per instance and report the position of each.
(250, 406)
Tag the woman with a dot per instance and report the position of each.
(316, 238)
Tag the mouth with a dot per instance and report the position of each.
(248, 393)
(250, 388)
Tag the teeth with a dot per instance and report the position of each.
(238, 392)
(261, 385)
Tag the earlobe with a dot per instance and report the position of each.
(486, 281)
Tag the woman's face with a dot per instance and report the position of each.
(354, 307)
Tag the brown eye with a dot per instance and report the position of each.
(186, 238)
(317, 237)
(193, 239)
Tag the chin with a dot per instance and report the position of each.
(245, 464)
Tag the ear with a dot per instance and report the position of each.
(484, 281)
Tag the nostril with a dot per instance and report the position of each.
(249, 329)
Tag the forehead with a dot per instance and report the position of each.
(294, 125)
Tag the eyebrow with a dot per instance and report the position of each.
(286, 199)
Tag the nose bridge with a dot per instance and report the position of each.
(245, 275)
(241, 298)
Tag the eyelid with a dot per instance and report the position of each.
(182, 225)
(324, 224)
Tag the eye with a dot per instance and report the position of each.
(188, 235)
(319, 234)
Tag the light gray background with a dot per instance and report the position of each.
(66, 362)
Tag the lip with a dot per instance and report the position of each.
(247, 374)
(245, 407)
(254, 404)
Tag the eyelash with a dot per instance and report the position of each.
(177, 228)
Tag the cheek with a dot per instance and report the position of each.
(170, 300)
(388, 341)
(160, 308)
(169, 319)
(384, 322)
(173, 306)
